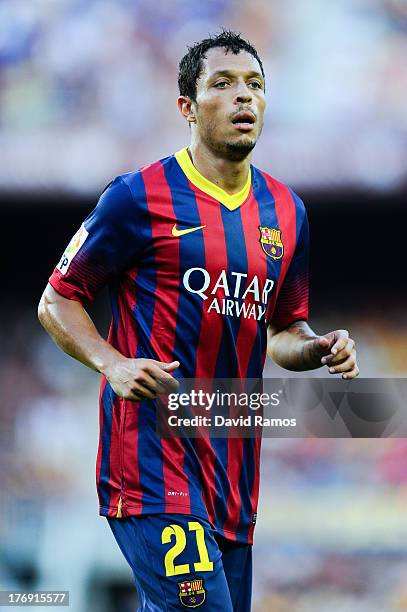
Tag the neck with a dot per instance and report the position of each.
(230, 175)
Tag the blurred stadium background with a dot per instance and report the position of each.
(87, 91)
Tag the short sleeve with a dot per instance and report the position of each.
(109, 241)
(292, 300)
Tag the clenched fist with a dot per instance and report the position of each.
(137, 379)
(337, 351)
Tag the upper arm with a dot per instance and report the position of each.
(293, 296)
(108, 242)
(272, 330)
(298, 326)
(50, 296)
(52, 304)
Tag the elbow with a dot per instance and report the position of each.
(273, 338)
(42, 311)
(274, 354)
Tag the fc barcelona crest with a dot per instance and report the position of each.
(270, 240)
(192, 593)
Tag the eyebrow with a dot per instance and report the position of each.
(230, 73)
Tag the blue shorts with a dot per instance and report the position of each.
(179, 562)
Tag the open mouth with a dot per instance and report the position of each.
(244, 120)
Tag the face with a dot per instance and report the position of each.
(230, 103)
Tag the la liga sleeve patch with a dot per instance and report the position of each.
(72, 249)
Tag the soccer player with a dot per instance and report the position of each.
(206, 260)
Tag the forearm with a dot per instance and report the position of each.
(291, 348)
(71, 328)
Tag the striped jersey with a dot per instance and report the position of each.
(194, 275)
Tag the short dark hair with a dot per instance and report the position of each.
(191, 65)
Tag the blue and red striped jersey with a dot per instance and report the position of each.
(195, 275)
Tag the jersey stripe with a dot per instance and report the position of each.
(116, 473)
(241, 468)
(189, 317)
(250, 484)
(251, 332)
(107, 401)
(159, 201)
(286, 217)
(131, 497)
(253, 445)
(228, 365)
(103, 493)
(254, 492)
(299, 219)
(126, 344)
(209, 341)
(149, 451)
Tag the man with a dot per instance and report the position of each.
(206, 261)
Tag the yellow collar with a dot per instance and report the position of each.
(230, 201)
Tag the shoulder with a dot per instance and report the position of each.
(126, 193)
(280, 190)
(115, 199)
(137, 180)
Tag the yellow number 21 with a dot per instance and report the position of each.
(203, 565)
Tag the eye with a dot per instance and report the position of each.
(255, 85)
(221, 84)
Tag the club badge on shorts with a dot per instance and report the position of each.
(270, 240)
(192, 593)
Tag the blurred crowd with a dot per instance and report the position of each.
(331, 526)
(88, 88)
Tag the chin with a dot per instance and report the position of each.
(239, 149)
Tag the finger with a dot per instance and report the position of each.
(320, 346)
(340, 355)
(145, 379)
(328, 359)
(132, 396)
(352, 374)
(138, 397)
(164, 379)
(171, 385)
(168, 367)
(342, 335)
(157, 372)
(323, 343)
(143, 391)
(345, 366)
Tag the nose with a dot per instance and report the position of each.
(244, 94)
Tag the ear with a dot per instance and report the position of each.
(185, 107)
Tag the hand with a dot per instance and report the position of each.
(138, 379)
(337, 351)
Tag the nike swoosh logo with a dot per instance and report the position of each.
(178, 232)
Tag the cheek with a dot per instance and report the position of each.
(211, 115)
(260, 116)
(262, 108)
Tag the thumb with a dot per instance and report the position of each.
(322, 344)
(168, 367)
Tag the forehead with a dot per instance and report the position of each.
(218, 60)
